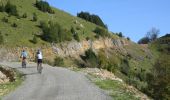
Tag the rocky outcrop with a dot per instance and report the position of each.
(77, 48)
(71, 49)
(3, 78)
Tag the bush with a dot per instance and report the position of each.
(1, 38)
(125, 67)
(14, 25)
(44, 6)
(52, 32)
(91, 58)
(2, 8)
(24, 15)
(159, 79)
(58, 61)
(11, 9)
(128, 38)
(76, 37)
(144, 40)
(92, 18)
(101, 32)
(34, 40)
(34, 18)
(4, 19)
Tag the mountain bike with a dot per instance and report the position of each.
(39, 66)
(24, 63)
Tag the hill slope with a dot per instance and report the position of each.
(26, 28)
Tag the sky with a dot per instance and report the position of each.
(134, 18)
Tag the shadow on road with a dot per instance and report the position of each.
(26, 67)
(26, 74)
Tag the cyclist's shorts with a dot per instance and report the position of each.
(39, 60)
(23, 58)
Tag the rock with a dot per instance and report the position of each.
(3, 78)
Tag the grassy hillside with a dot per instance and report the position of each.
(25, 30)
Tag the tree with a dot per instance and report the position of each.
(44, 6)
(91, 18)
(120, 34)
(150, 36)
(153, 34)
(128, 38)
(144, 40)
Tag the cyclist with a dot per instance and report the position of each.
(24, 56)
(39, 61)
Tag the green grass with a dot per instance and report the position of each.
(114, 88)
(11, 86)
(21, 35)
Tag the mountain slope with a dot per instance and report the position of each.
(26, 28)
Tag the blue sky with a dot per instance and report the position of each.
(134, 18)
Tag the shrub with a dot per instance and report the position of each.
(24, 15)
(2, 8)
(76, 37)
(52, 32)
(11, 9)
(144, 40)
(91, 58)
(58, 61)
(14, 25)
(72, 30)
(1, 38)
(128, 38)
(4, 19)
(34, 40)
(125, 67)
(44, 6)
(101, 32)
(87, 38)
(34, 18)
(92, 18)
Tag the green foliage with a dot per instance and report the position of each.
(34, 17)
(11, 9)
(76, 37)
(150, 36)
(92, 18)
(34, 40)
(128, 38)
(159, 79)
(52, 32)
(1, 38)
(101, 32)
(144, 40)
(90, 58)
(24, 15)
(4, 19)
(2, 8)
(14, 25)
(120, 34)
(116, 89)
(44, 6)
(72, 30)
(58, 61)
(125, 67)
